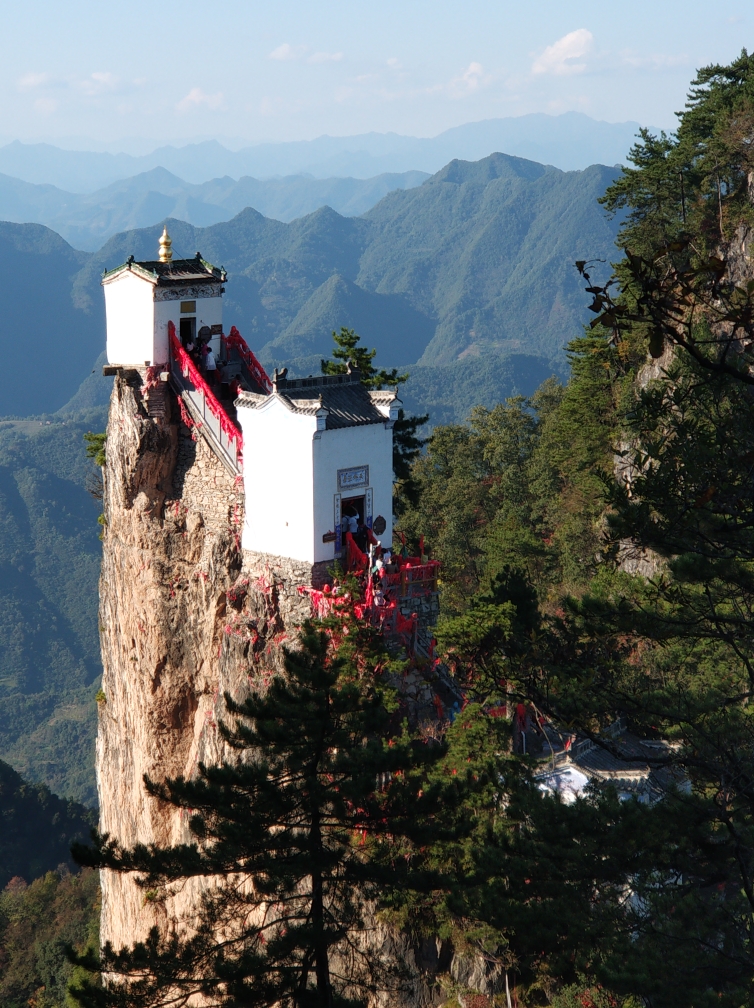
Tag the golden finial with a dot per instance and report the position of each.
(166, 242)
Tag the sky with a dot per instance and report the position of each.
(133, 76)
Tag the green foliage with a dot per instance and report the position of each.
(95, 447)
(612, 476)
(303, 815)
(521, 484)
(349, 352)
(49, 567)
(682, 279)
(38, 922)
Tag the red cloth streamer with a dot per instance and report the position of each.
(356, 559)
(188, 367)
(235, 341)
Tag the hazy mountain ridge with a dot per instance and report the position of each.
(570, 141)
(476, 262)
(87, 221)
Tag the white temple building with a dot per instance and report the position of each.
(311, 451)
(325, 446)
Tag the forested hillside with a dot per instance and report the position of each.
(42, 905)
(49, 341)
(49, 565)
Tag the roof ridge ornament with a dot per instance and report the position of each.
(278, 376)
(166, 246)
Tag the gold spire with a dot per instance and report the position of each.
(166, 242)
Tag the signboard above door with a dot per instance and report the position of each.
(351, 479)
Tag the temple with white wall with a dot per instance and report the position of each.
(311, 451)
(142, 298)
(326, 447)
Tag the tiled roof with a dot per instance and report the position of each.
(177, 272)
(344, 398)
(633, 766)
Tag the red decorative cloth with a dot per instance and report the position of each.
(357, 560)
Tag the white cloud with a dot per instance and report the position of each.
(98, 82)
(555, 58)
(325, 57)
(287, 52)
(472, 78)
(197, 98)
(30, 81)
(394, 64)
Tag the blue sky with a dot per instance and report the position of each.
(246, 71)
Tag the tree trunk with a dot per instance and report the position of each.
(321, 952)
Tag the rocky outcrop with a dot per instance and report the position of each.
(186, 616)
(172, 518)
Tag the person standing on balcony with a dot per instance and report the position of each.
(210, 366)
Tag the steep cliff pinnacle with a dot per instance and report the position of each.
(172, 516)
(187, 616)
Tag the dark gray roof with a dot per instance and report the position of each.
(347, 402)
(630, 763)
(176, 273)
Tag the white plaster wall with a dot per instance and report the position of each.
(343, 448)
(278, 480)
(129, 308)
(209, 311)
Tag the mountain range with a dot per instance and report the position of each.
(461, 272)
(467, 279)
(570, 141)
(86, 221)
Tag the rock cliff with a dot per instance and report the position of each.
(186, 616)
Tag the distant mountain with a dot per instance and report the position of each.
(471, 268)
(475, 263)
(479, 258)
(569, 141)
(47, 341)
(87, 221)
(38, 828)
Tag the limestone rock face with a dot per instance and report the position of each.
(186, 617)
(173, 515)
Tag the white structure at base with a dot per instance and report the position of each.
(315, 449)
(142, 297)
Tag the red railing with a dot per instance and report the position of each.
(235, 341)
(415, 579)
(190, 371)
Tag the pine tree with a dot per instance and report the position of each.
(349, 351)
(314, 819)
